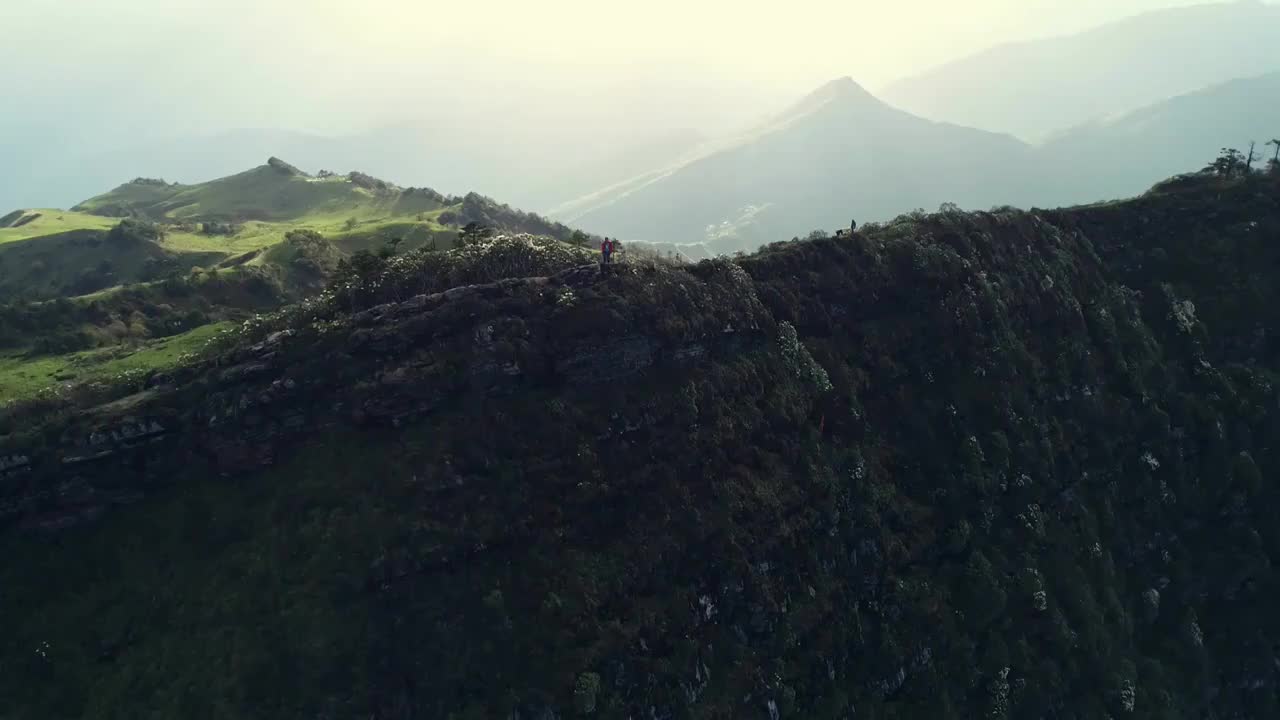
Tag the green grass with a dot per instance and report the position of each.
(52, 222)
(267, 194)
(274, 202)
(55, 249)
(372, 216)
(23, 376)
(62, 253)
(136, 194)
(263, 193)
(252, 236)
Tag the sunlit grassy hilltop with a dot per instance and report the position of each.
(152, 259)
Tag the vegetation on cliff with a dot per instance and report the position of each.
(994, 465)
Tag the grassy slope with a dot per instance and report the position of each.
(48, 266)
(22, 376)
(44, 258)
(263, 193)
(133, 193)
(63, 243)
(53, 222)
(266, 202)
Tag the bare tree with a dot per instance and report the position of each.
(1248, 164)
(1275, 159)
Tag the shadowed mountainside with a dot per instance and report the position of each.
(962, 465)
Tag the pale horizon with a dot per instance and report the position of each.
(278, 64)
(536, 104)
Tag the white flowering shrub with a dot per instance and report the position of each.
(799, 360)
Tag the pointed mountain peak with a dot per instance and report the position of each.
(843, 92)
(843, 87)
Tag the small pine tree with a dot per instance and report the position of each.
(473, 232)
(1227, 162)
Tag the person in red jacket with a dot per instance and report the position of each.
(606, 250)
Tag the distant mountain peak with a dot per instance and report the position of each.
(842, 91)
(844, 85)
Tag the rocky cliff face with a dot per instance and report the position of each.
(991, 465)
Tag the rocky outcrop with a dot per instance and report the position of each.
(8, 219)
(283, 167)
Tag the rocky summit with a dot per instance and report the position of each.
(1001, 465)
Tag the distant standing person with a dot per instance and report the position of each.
(606, 249)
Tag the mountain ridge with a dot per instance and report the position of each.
(808, 163)
(153, 266)
(992, 464)
(275, 190)
(1159, 139)
(1097, 72)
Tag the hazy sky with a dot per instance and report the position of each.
(332, 65)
